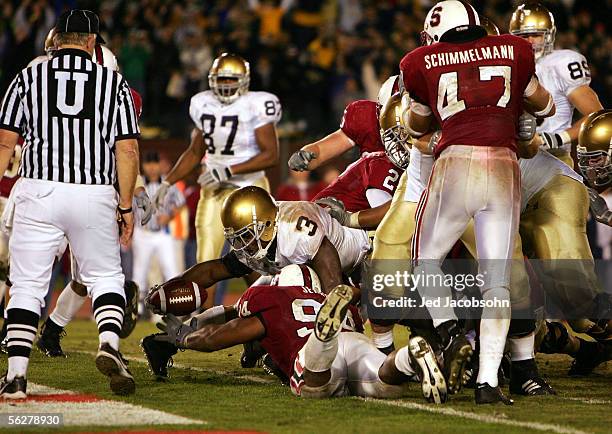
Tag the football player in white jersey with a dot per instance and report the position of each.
(235, 133)
(555, 202)
(564, 73)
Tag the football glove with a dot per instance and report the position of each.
(599, 208)
(160, 194)
(175, 330)
(300, 159)
(434, 140)
(527, 127)
(143, 203)
(337, 211)
(554, 140)
(215, 175)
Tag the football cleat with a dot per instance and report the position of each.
(457, 354)
(251, 354)
(332, 313)
(111, 363)
(485, 394)
(272, 368)
(130, 314)
(49, 341)
(159, 356)
(525, 379)
(423, 359)
(589, 356)
(13, 389)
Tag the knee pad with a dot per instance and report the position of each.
(521, 327)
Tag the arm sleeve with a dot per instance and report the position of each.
(127, 119)
(11, 111)
(360, 124)
(194, 112)
(267, 110)
(573, 71)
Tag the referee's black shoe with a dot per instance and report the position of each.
(13, 389)
(111, 363)
(49, 341)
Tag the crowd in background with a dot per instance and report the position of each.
(316, 55)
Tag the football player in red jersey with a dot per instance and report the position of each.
(333, 361)
(359, 127)
(475, 87)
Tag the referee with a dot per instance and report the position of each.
(79, 126)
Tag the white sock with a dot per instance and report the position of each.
(111, 338)
(383, 340)
(430, 274)
(522, 348)
(17, 367)
(319, 356)
(68, 304)
(402, 362)
(493, 331)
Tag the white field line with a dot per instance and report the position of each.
(474, 416)
(586, 400)
(251, 378)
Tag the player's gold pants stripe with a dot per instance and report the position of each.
(209, 230)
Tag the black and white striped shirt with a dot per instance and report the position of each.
(70, 111)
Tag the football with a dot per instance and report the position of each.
(177, 296)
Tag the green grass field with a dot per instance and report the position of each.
(212, 388)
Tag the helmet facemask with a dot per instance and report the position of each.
(230, 91)
(397, 144)
(547, 44)
(249, 239)
(595, 166)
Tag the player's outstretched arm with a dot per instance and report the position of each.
(321, 151)
(214, 337)
(8, 140)
(267, 141)
(206, 274)
(189, 159)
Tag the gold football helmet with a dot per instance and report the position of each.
(532, 18)
(50, 46)
(594, 148)
(229, 77)
(249, 217)
(490, 26)
(393, 132)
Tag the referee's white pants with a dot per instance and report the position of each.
(146, 244)
(45, 212)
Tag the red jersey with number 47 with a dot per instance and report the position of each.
(372, 170)
(288, 314)
(475, 89)
(360, 124)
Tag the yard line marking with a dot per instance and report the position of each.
(586, 400)
(474, 416)
(85, 409)
(251, 378)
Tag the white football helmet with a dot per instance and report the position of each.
(298, 275)
(105, 57)
(445, 16)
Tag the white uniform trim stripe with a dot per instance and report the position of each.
(21, 326)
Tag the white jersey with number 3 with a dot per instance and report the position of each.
(561, 72)
(228, 130)
(301, 229)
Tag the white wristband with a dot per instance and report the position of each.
(546, 111)
(354, 220)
